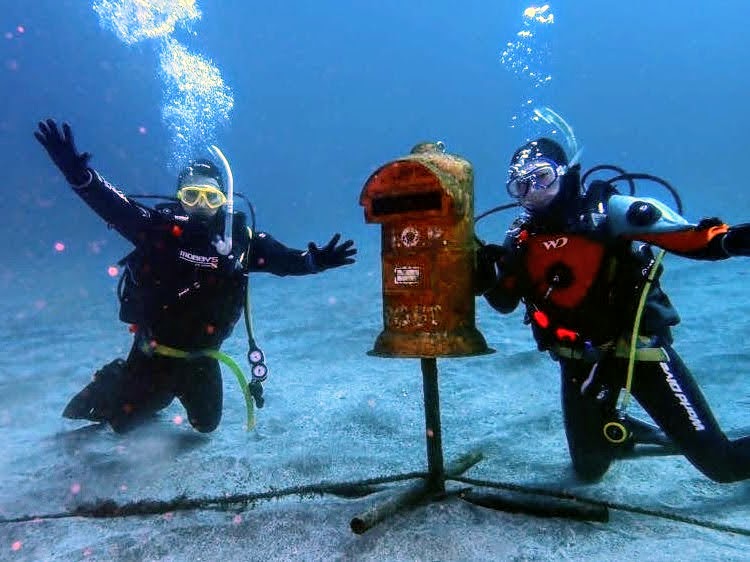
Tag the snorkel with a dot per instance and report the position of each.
(569, 146)
(549, 116)
(224, 246)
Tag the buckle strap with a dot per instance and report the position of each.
(621, 348)
(646, 352)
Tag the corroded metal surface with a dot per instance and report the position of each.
(425, 203)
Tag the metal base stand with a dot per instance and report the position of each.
(433, 485)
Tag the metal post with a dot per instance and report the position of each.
(436, 472)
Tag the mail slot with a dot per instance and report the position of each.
(425, 204)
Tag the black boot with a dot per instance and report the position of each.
(95, 402)
(645, 440)
(645, 433)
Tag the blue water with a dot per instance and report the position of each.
(325, 93)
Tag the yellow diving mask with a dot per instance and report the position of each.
(191, 195)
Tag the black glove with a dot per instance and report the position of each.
(62, 151)
(332, 255)
(486, 275)
(736, 241)
(706, 223)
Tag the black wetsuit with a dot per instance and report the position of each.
(581, 282)
(177, 291)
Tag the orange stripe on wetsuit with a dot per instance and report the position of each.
(689, 241)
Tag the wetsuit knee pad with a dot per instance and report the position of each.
(200, 391)
(204, 427)
(203, 416)
(205, 421)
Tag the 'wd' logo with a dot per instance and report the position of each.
(555, 244)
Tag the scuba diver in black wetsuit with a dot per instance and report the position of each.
(182, 289)
(581, 262)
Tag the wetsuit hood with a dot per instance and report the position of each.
(565, 205)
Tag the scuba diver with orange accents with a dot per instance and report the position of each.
(581, 261)
(182, 290)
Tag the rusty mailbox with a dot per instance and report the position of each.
(425, 204)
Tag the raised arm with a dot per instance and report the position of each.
(124, 215)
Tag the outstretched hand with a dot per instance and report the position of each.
(62, 150)
(332, 255)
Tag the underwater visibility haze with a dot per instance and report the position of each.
(307, 100)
